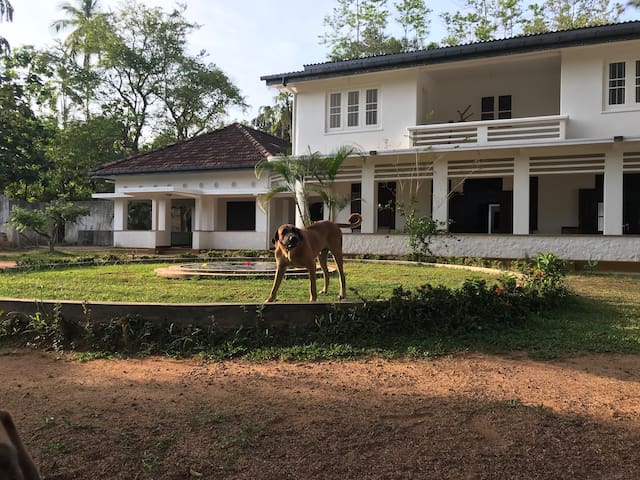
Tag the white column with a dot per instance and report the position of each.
(204, 216)
(120, 214)
(613, 193)
(369, 203)
(161, 215)
(440, 191)
(521, 195)
(300, 205)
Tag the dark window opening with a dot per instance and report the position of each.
(316, 211)
(387, 206)
(139, 215)
(241, 216)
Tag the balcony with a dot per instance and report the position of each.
(514, 131)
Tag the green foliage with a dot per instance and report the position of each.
(422, 231)
(47, 222)
(305, 175)
(358, 28)
(276, 119)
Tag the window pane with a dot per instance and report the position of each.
(487, 108)
(637, 81)
(616, 83)
(371, 107)
(504, 106)
(353, 109)
(335, 110)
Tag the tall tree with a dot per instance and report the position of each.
(78, 81)
(140, 46)
(553, 15)
(360, 28)
(195, 97)
(6, 13)
(413, 17)
(81, 18)
(477, 22)
(277, 118)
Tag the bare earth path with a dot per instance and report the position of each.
(474, 416)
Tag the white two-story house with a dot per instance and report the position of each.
(524, 145)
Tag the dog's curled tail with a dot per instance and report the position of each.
(355, 220)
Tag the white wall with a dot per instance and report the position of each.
(396, 109)
(213, 182)
(572, 247)
(533, 84)
(583, 82)
(558, 200)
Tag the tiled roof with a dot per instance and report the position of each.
(507, 46)
(233, 147)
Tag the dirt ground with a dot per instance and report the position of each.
(464, 417)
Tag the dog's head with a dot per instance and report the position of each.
(289, 236)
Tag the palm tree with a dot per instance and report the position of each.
(6, 13)
(82, 19)
(304, 175)
(85, 20)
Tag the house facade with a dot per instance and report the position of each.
(522, 145)
(200, 193)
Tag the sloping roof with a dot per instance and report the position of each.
(233, 147)
(492, 48)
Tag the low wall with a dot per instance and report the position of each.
(228, 316)
(572, 247)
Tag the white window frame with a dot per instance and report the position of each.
(352, 115)
(630, 83)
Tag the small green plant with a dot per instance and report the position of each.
(422, 231)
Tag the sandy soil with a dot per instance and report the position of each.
(463, 417)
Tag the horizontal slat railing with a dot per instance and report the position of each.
(490, 132)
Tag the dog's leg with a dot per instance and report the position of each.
(340, 264)
(325, 270)
(313, 292)
(276, 282)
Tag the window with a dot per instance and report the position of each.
(353, 109)
(504, 106)
(371, 107)
(241, 216)
(616, 83)
(139, 215)
(488, 107)
(335, 110)
(361, 109)
(637, 81)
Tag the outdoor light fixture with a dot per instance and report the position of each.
(373, 152)
(618, 138)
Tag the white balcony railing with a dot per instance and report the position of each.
(491, 132)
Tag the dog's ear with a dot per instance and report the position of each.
(275, 238)
(298, 232)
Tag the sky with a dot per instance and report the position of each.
(245, 38)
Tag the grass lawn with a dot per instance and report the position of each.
(130, 282)
(601, 315)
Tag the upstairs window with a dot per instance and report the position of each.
(637, 81)
(353, 109)
(362, 109)
(616, 83)
(371, 107)
(621, 84)
(335, 110)
(488, 107)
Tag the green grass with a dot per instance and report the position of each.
(138, 283)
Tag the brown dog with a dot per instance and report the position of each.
(300, 248)
(15, 461)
